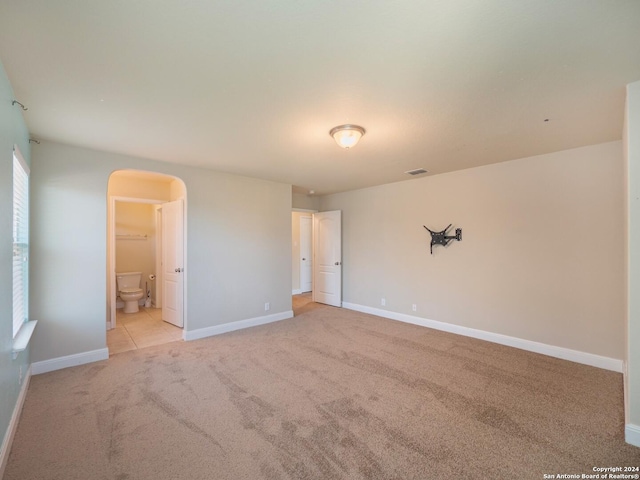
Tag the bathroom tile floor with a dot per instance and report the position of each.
(142, 329)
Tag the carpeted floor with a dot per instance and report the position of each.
(330, 394)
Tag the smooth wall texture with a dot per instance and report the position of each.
(541, 257)
(124, 184)
(305, 202)
(13, 131)
(238, 246)
(632, 151)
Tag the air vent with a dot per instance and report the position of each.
(417, 171)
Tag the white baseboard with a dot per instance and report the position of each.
(232, 326)
(599, 361)
(69, 361)
(13, 423)
(632, 434)
(296, 291)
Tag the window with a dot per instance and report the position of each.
(20, 241)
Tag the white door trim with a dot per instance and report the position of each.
(303, 210)
(296, 266)
(310, 253)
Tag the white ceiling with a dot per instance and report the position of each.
(253, 87)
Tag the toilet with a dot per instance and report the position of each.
(129, 290)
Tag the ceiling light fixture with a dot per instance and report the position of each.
(347, 136)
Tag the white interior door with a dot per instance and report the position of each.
(327, 261)
(172, 263)
(305, 254)
(159, 276)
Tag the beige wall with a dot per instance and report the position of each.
(128, 186)
(632, 152)
(136, 241)
(238, 246)
(541, 256)
(305, 202)
(13, 131)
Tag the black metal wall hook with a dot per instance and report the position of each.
(21, 105)
(441, 238)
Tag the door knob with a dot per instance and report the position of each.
(178, 270)
(337, 263)
(303, 259)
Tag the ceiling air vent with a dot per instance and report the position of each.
(417, 171)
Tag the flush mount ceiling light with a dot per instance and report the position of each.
(347, 136)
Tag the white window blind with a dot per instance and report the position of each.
(20, 241)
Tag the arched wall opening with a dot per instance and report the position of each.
(138, 240)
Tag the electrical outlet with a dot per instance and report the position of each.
(383, 302)
(414, 307)
(267, 306)
(20, 376)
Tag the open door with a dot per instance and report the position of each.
(172, 263)
(306, 254)
(327, 253)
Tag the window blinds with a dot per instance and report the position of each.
(20, 241)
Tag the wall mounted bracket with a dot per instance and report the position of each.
(441, 238)
(16, 102)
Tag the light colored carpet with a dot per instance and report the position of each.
(330, 394)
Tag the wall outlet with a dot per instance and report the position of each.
(414, 307)
(383, 302)
(267, 306)
(20, 376)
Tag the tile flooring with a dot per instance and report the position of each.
(142, 329)
(146, 328)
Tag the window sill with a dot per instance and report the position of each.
(21, 341)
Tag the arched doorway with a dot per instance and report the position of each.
(146, 237)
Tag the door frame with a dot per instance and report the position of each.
(310, 212)
(111, 243)
(113, 199)
(310, 218)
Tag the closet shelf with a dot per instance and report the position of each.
(126, 236)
